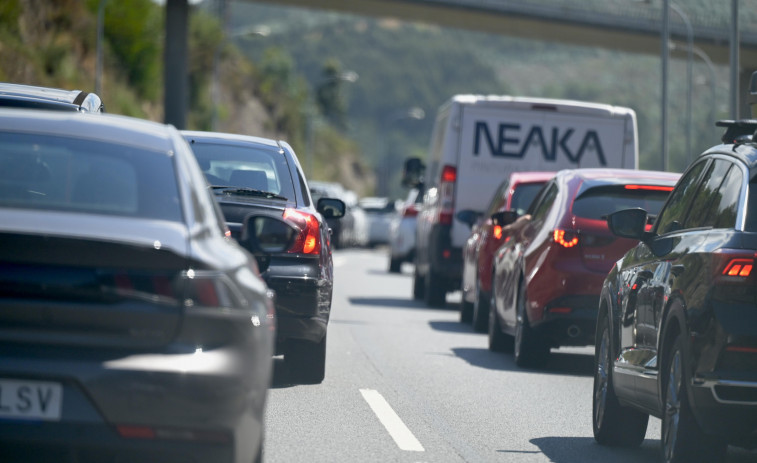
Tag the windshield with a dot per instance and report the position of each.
(66, 174)
(244, 166)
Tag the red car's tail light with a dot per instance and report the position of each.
(410, 211)
(308, 240)
(564, 238)
(649, 187)
(739, 268)
(497, 232)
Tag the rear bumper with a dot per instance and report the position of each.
(569, 320)
(186, 407)
(727, 408)
(303, 306)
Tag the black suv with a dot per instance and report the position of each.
(32, 97)
(677, 326)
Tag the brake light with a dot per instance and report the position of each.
(739, 268)
(193, 435)
(565, 239)
(308, 239)
(447, 194)
(649, 187)
(211, 289)
(449, 174)
(497, 232)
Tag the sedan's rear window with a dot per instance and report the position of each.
(596, 203)
(247, 166)
(67, 174)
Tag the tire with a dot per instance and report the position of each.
(466, 310)
(480, 309)
(259, 454)
(530, 350)
(306, 360)
(419, 285)
(498, 341)
(682, 439)
(436, 295)
(395, 265)
(613, 424)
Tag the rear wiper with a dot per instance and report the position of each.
(232, 190)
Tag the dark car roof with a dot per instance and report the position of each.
(30, 96)
(140, 133)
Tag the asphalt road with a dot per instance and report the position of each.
(405, 383)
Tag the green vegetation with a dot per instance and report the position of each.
(290, 83)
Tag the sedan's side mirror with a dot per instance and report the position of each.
(628, 223)
(468, 216)
(331, 208)
(264, 235)
(504, 218)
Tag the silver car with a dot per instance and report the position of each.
(132, 327)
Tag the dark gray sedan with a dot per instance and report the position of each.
(132, 327)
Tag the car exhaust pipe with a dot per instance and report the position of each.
(574, 331)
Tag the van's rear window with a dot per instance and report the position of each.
(598, 202)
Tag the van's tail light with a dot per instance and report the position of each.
(410, 211)
(447, 194)
(566, 239)
(308, 240)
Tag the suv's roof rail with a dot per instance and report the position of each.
(738, 131)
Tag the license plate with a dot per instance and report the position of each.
(33, 400)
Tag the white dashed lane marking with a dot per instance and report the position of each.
(401, 434)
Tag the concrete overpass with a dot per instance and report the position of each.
(629, 26)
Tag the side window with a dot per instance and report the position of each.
(541, 208)
(498, 200)
(701, 211)
(728, 204)
(671, 218)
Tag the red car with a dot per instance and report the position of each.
(547, 278)
(514, 194)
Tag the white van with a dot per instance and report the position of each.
(478, 141)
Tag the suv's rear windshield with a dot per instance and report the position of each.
(246, 166)
(598, 202)
(67, 174)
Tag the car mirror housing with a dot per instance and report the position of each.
(468, 216)
(628, 223)
(263, 235)
(504, 218)
(331, 208)
(412, 174)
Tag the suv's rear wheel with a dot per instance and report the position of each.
(613, 424)
(436, 295)
(466, 308)
(530, 350)
(306, 360)
(498, 341)
(682, 438)
(419, 285)
(480, 309)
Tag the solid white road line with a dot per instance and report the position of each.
(402, 436)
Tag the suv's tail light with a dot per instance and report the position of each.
(447, 194)
(308, 240)
(564, 238)
(739, 267)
